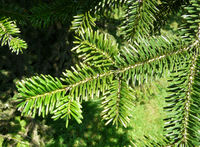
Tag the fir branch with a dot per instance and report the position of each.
(8, 31)
(39, 92)
(188, 98)
(95, 48)
(182, 124)
(117, 103)
(82, 83)
(189, 30)
(68, 108)
(90, 78)
(139, 19)
(83, 21)
(111, 72)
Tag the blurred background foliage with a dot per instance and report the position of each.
(49, 53)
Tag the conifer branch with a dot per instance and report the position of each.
(111, 72)
(68, 108)
(39, 92)
(8, 31)
(139, 18)
(82, 22)
(188, 99)
(190, 28)
(117, 103)
(182, 124)
(95, 48)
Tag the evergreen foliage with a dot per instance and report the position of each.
(8, 32)
(111, 71)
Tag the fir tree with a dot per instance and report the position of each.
(109, 70)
